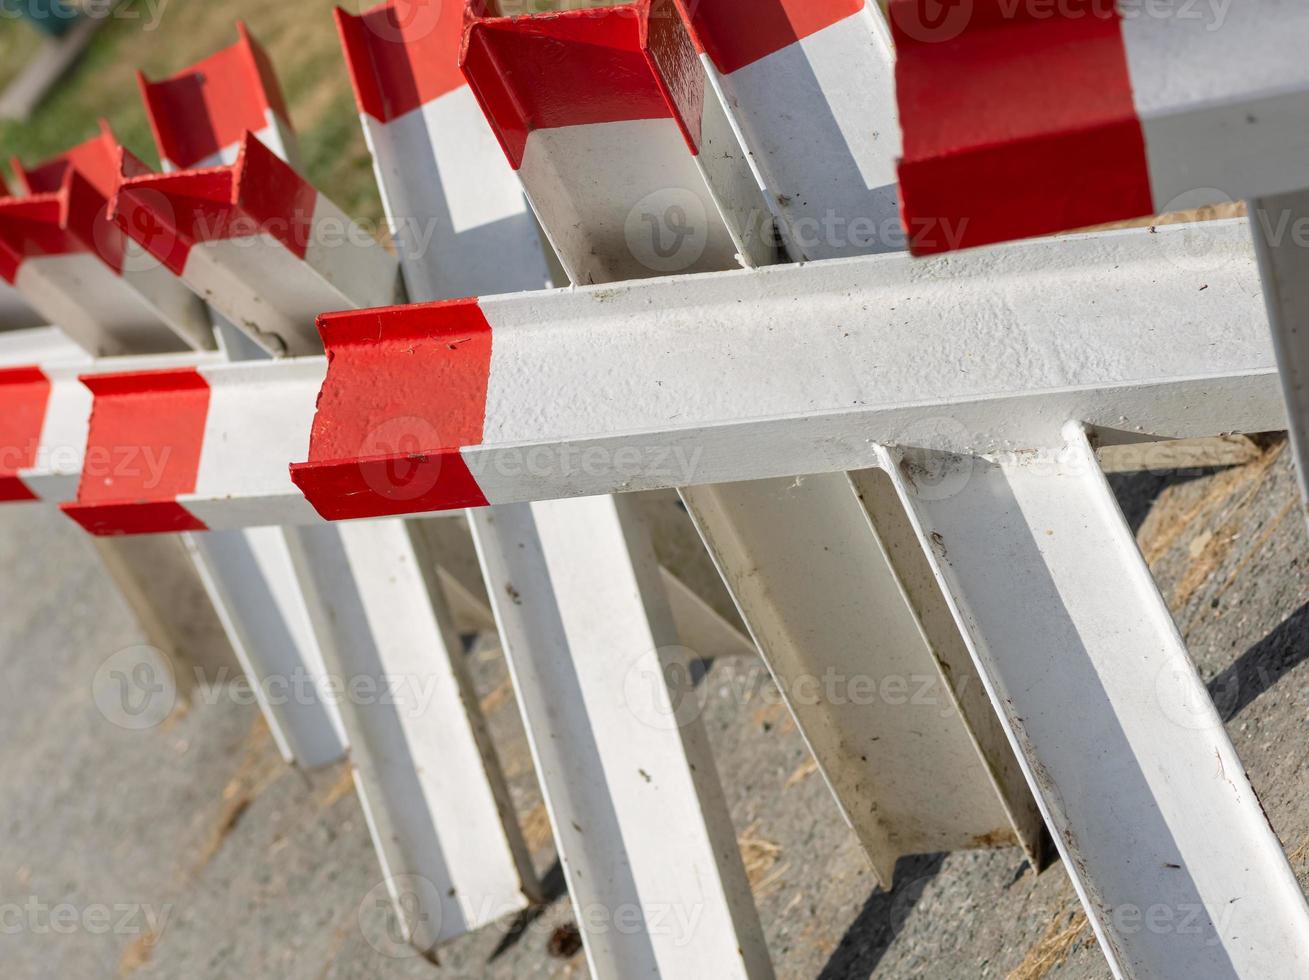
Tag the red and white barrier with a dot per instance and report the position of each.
(1138, 112)
(1029, 119)
(675, 382)
(200, 116)
(220, 429)
(631, 169)
(428, 780)
(815, 570)
(258, 242)
(809, 87)
(66, 259)
(460, 220)
(456, 210)
(46, 411)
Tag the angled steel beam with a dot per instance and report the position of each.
(1160, 830)
(460, 220)
(700, 398)
(259, 243)
(200, 115)
(427, 776)
(1279, 226)
(457, 215)
(1132, 115)
(809, 88)
(456, 210)
(641, 175)
(74, 267)
(815, 572)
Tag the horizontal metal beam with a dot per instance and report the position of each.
(708, 379)
(788, 370)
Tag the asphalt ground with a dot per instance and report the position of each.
(188, 849)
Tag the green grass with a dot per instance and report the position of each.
(302, 43)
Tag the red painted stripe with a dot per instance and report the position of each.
(72, 222)
(142, 452)
(66, 211)
(31, 227)
(405, 389)
(1015, 125)
(736, 33)
(96, 160)
(24, 395)
(609, 64)
(211, 105)
(169, 214)
(402, 54)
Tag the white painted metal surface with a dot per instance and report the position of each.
(677, 382)
(809, 89)
(460, 221)
(1167, 110)
(647, 177)
(1278, 225)
(38, 345)
(1150, 807)
(886, 698)
(428, 778)
(367, 602)
(258, 598)
(75, 268)
(630, 781)
(14, 313)
(260, 244)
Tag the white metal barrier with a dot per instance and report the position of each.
(949, 407)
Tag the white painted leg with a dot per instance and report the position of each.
(875, 688)
(1159, 828)
(428, 776)
(1284, 267)
(251, 581)
(627, 775)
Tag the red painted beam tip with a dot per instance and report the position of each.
(388, 486)
(402, 54)
(988, 155)
(580, 67)
(146, 517)
(405, 390)
(210, 105)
